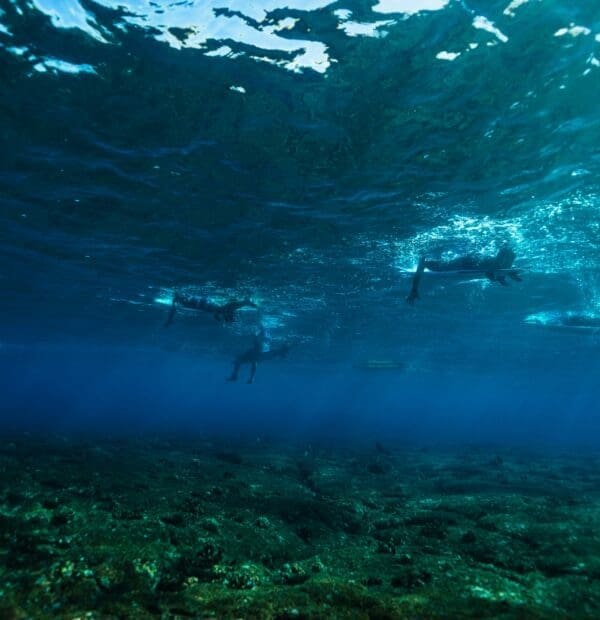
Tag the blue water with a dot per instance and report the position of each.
(305, 154)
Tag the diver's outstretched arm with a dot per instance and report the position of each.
(414, 291)
(253, 367)
(172, 311)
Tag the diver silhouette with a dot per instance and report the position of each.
(569, 321)
(494, 268)
(260, 351)
(223, 313)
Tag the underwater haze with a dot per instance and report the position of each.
(303, 157)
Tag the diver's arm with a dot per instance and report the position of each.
(414, 291)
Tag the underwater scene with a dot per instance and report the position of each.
(300, 312)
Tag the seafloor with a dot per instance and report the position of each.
(152, 528)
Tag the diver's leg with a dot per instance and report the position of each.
(492, 276)
(235, 371)
(414, 291)
(514, 274)
(252, 372)
(171, 316)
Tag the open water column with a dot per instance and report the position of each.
(300, 309)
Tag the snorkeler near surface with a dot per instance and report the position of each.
(494, 268)
(259, 352)
(566, 321)
(224, 313)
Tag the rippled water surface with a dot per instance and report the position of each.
(305, 154)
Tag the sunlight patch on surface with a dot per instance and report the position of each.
(17, 51)
(234, 21)
(3, 28)
(70, 14)
(61, 66)
(224, 50)
(361, 29)
(409, 7)
(204, 22)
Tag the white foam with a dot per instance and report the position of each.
(515, 4)
(447, 55)
(482, 23)
(362, 29)
(572, 30)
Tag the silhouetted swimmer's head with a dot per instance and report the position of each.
(505, 258)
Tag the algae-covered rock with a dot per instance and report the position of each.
(244, 577)
(292, 574)
(199, 561)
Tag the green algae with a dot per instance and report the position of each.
(173, 529)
